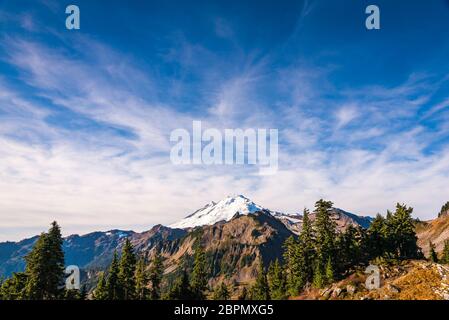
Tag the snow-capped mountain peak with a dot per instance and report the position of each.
(227, 208)
(223, 210)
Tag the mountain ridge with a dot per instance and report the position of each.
(94, 250)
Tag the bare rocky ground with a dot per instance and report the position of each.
(409, 280)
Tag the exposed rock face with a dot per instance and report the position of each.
(410, 280)
(436, 231)
(233, 248)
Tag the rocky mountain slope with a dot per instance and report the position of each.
(410, 280)
(436, 231)
(12, 253)
(232, 248)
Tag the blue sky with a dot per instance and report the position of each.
(86, 115)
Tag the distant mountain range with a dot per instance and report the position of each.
(234, 230)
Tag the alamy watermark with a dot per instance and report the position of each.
(257, 147)
(72, 281)
(72, 21)
(372, 22)
(373, 280)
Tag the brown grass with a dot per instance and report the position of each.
(419, 285)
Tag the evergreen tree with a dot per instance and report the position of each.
(402, 234)
(433, 255)
(308, 243)
(329, 272)
(276, 281)
(73, 294)
(101, 292)
(444, 209)
(112, 284)
(389, 237)
(155, 276)
(127, 270)
(56, 263)
(325, 241)
(36, 269)
(445, 254)
(45, 267)
(293, 257)
(14, 287)
(260, 290)
(349, 247)
(299, 256)
(142, 280)
(199, 277)
(318, 277)
(325, 229)
(181, 288)
(221, 292)
(376, 237)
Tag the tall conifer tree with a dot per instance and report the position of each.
(276, 281)
(101, 292)
(326, 234)
(261, 290)
(221, 292)
(155, 276)
(127, 269)
(112, 284)
(45, 267)
(142, 280)
(433, 255)
(199, 277)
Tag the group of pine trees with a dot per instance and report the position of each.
(193, 285)
(444, 209)
(320, 254)
(269, 285)
(127, 278)
(43, 278)
(433, 256)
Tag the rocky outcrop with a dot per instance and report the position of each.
(409, 280)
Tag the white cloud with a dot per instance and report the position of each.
(90, 181)
(345, 115)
